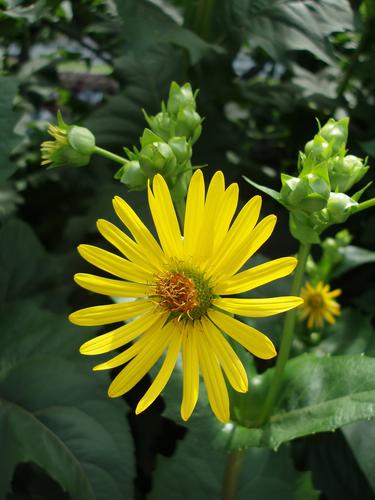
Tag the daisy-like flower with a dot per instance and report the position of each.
(182, 285)
(319, 304)
(72, 145)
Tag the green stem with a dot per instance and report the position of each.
(232, 473)
(180, 209)
(287, 337)
(109, 155)
(364, 205)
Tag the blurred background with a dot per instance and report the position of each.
(265, 70)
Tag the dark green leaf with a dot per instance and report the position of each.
(55, 413)
(8, 120)
(352, 257)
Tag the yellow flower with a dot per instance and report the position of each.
(50, 149)
(319, 304)
(182, 285)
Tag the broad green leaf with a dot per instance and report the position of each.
(353, 333)
(361, 437)
(279, 26)
(352, 257)
(24, 264)
(8, 120)
(140, 18)
(317, 394)
(54, 412)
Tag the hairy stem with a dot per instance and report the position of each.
(287, 338)
(232, 473)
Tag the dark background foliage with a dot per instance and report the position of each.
(265, 69)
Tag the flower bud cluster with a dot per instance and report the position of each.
(317, 197)
(166, 147)
(72, 145)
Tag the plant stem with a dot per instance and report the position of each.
(109, 155)
(287, 337)
(180, 209)
(232, 472)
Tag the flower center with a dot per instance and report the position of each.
(315, 301)
(184, 293)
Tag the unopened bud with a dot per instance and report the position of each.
(132, 176)
(181, 149)
(339, 207)
(345, 172)
(157, 157)
(188, 124)
(336, 134)
(179, 98)
(161, 124)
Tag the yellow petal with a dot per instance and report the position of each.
(140, 232)
(140, 365)
(193, 214)
(122, 335)
(256, 276)
(253, 340)
(225, 215)
(110, 313)
(114, 288)
(228, 359)
(213, 204)
(190, 365)
(244, 248)
(213, 378)
(132, 250)
(115, 265)
(165, 219)
(258, 308)
(240, 230)
(164, 374)
(142, 344)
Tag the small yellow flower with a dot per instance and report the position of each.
(319, 304)
(182, 284)
(72, 145)
(50, 149)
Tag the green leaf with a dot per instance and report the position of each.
(317, 394)
(351, 334)
(120, 121)
(24, 264)
(8, 120)
(361, 437)
(279, 26)
(353, 257)
(140, 18)
(271, 192)
(55, 413)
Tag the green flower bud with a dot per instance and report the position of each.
(180, 185)
(157, 157)
(336, 134)
(181, 149)
(72, 145)
(339, 207)
(309, 193)
(318, 150)
(132, 176)
(179, 98)
(345, 172)
(161, 124)
(188, 124)
(81, 139)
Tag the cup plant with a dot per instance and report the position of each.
(179, 287)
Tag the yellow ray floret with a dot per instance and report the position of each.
(319, 304)
(182, 284)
